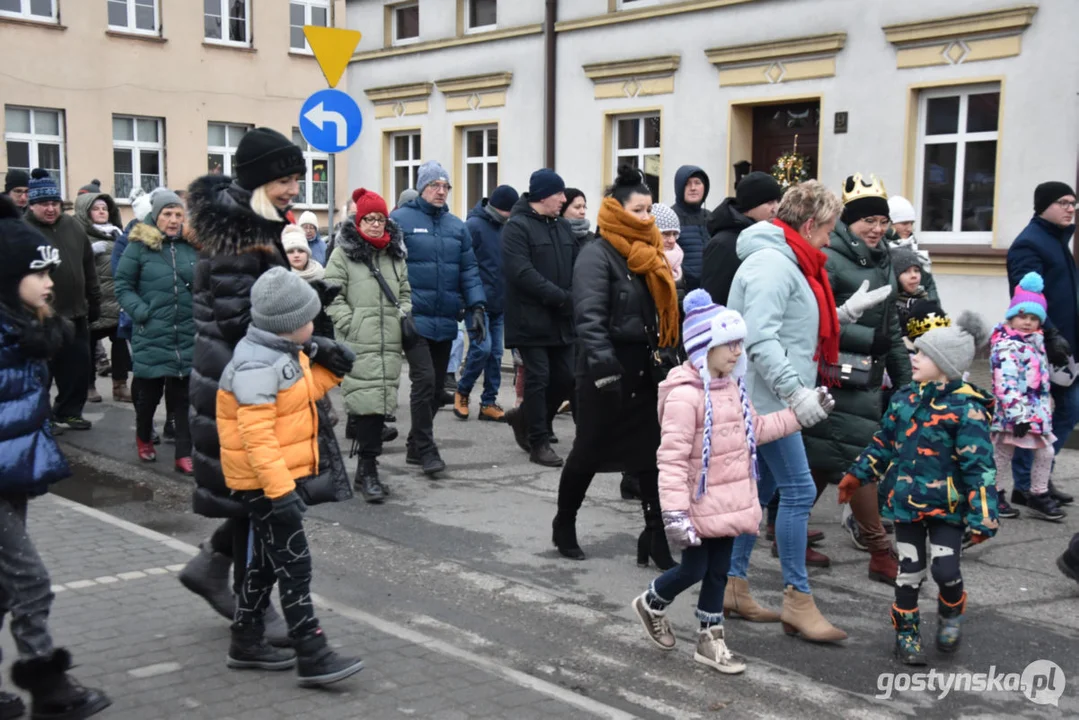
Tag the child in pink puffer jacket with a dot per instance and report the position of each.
(707, 462)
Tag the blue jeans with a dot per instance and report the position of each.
(783, 465)
(707, 564)
(1065, 418)
(457, 351)
(485, 357)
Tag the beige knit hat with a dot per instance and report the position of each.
(293, 238)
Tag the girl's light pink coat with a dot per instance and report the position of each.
(730, 506)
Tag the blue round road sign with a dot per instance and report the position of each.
(330, 121)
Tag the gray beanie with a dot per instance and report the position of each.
(952, 348)
(431, 171)
(163, 198)
(903, 260)
(282, 301)
(406, 196)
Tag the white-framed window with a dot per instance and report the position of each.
(41, 10)
(481, 15)
(406, 23)
(223, 139)
(315, 186)
(956, 163)
(480, 149)
(634, 4)
(138, 153)
(306, 12)
(637, 143)
(133, 16)
(405, 163)
(227, 22)
(35, 139)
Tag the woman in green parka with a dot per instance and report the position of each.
(368, 322)
(153, 284)
(857, 253)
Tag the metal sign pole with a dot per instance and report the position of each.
(331, 168)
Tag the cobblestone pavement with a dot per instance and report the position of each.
(135, 632)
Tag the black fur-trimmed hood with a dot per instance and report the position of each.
(223, 223)
(359, 250)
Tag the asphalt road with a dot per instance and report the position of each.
(468, 559)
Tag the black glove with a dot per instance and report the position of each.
(479, 324)
(289, 508)
(326, 291)
(94, 313)
(1021, 429)
(334, 356)
(1057, 348)
(882, 343)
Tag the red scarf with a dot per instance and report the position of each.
(378, 243)
(811, 261)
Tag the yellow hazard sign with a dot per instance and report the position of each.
(333, 48)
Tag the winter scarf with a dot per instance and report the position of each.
(675, 255)
(108, 229)
(313, 271)
(495, 215)
(580, 226)
(640, 243)
(377, 243)
(811, 262)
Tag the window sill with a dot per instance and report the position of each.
(46, 24)
(959, 250)
(136, 36)
(301, 206)
(228, 46)
(301, 53)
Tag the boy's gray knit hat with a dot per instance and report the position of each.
(282, 301)
(952, 348)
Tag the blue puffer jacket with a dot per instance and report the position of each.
(1042, 247)
(442, 268)
(694, 220)
(486, 234)
(29, 456)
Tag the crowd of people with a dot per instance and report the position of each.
(732, 364)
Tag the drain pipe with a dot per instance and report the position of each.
(551, 81)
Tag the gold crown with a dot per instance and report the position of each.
(916, 327)
(856, 187)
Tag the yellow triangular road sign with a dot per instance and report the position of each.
(333, 48)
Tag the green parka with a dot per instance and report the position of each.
(153, 285)
(364, 318)
(834, 445)
(110, 307)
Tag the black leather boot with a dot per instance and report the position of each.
(53, 693)
(367, 482)
(652, 542)
(564, 536)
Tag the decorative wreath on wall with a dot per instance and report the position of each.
(791, 167)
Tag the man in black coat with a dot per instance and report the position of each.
(755, 199)
(539, 250)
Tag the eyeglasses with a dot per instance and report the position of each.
(1066, 204)
(882, 223)
(736, 345)
(440, 186)
(373, 219)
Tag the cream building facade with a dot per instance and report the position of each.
(151, 92)
(963, 107)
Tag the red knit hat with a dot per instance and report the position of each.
(368, 201)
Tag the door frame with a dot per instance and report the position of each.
(740, 129)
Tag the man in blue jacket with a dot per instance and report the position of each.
(445, 284)
(1042, 247)
(690, 191)
(485, 223)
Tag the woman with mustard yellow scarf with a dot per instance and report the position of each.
(626, 309)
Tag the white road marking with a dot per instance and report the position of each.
(149, 671)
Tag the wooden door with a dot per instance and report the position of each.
(774, 129)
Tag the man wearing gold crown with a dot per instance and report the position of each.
(857, 253)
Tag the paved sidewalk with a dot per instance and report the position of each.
(160, 652)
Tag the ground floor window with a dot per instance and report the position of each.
(637, 142)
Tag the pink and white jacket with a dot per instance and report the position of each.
(730, 505)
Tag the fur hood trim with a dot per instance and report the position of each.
(359, 250)
(149, 236)
(223, 223)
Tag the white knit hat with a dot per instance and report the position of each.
(308, 218)
(666, 219)
(900, 209)
(293, 238)
(727, 327)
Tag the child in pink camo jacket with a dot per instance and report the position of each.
(707, 462)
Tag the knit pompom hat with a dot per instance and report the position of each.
(697, 327)
(294, 238)
(952, 348)
(1028, 298)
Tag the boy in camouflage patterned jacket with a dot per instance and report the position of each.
(934, 459)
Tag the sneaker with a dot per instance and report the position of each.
(1045, 507)
(460, 406)
(712, 651)
(655, 622)
(492, 413)
(1019, 497)
(432, 463)
(1005, 510)
(93, 396)
(55, 429)
(318, 665)
(1062, 498)
(855, 532)
(73, 422)
(249, 650)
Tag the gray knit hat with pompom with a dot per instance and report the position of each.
(952, 348)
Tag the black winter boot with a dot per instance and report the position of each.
(652, 542)
(908, 638)
(564, 536)
(367, 482)
(53, 694)
(209, 576)
(11, 706)
(249, 650)
(318, 665)
(276, 628)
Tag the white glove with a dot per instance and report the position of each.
(99, 247)
(827, 402)
(679, 529)
(807, 407)
(862, 300)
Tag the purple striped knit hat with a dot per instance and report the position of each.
(697, 327)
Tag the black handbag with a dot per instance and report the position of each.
(409, 334)
(852, 370)
(331, 484)
(661, 360)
